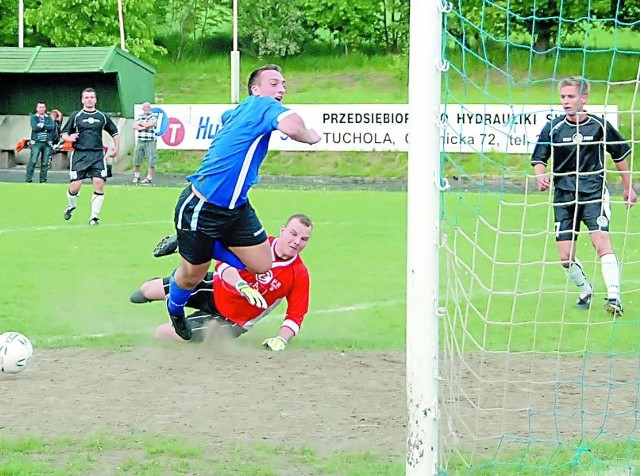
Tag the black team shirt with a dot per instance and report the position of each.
(579, 152)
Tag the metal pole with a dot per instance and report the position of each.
(235, 59)
(423, 232)
(123, 45)
(21, 24)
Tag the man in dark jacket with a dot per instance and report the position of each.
(43, 129)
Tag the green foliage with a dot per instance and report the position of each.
(545, 25)
(95, 23)
(194, 22)
(272, 28)
(351, 24)
(8, 17)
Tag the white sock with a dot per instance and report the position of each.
(136, 174)
(149, 177)
(96, 204)
(577, 277)
(72, 199)
(611, 275)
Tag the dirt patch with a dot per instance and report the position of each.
(329, 401)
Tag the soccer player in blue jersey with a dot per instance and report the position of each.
(578, 141)
(214, 209)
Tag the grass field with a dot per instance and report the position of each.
(66, 285)
(519, 297)
(82, 276)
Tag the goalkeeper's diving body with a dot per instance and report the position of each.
(232, 301)
(214, 208)
(578, 141)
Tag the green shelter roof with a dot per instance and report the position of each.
(64, 60)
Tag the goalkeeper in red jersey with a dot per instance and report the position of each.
(236, 300)
(577, 141)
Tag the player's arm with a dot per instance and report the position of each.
(297, 308)
(540, 158)
(116, 145)
(542, 179)
(293, 126)
(619, 150)
(68, 132)
(231, 276)
(629, 194)
(112, 130)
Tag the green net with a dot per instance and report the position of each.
(530, 383)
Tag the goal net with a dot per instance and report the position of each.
(530, 384)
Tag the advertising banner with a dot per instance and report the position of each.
(469, 128)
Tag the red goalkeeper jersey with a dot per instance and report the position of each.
(287, 279)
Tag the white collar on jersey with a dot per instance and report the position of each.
(277, 260)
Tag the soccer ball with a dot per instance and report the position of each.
(15, 352)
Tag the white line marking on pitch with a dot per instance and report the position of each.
(359, 307)
(355, 307)
(78, 227)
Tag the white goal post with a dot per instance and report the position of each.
(423, 215)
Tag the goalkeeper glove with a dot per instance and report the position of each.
(275, 344)
(252, 295)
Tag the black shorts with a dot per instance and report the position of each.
(199, 224)
(202, 300)
(569, 209)
(199, 322)
(87, 164)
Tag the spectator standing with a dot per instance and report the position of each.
(42, 134)
(145, 127)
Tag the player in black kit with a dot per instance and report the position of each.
(577, 141)
(84, 128)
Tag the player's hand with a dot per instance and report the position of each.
(630, 197)
(542, 183)
(252, 295)
(73, 137)
(314, 137)
(276, 344)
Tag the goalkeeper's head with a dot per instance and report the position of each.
(294, 236)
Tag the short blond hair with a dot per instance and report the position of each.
(582, 84)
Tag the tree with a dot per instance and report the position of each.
(395, 20)
(95, 23)
(353, 25)
(546, 23)
(272, 28)
(196, 21)
(625, 12)
(8, 23)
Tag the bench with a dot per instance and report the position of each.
(59, 161)
(7, 158)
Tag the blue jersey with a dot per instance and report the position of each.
(230, 166)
